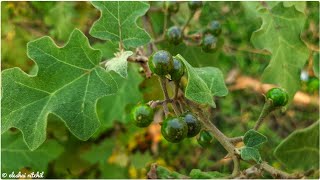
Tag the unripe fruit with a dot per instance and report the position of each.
(194, 125)
(194, 5)
(142, 115)
(209, 43)
(174, 35)
(214, 28)
(178, 69)
(174, 129)
(278, 96)
(205, 139)
(161, 63)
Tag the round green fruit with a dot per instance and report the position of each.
(174, 35)
(194, 5)
(209, 43)
(178, 69)
(174, 129)
(142, 115)
(194, 125)
(161, 63)
(205, 139)
(278, 96)
(214, 28)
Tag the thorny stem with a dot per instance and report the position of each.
(267, 108)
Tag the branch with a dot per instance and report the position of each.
(267, 108)
(235, 140)
(278, 173)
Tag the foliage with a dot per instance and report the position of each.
(66, 99)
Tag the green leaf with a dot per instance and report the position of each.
(213, 78)
(118, 23)
(299, 5)
(280, 34)
(250, 153)
(203, 83)
(198, 174)
(127, 94)
(15, 154)
(300, 150)
(164, 173)
(119, 64)
(68, 84)
(253, 138)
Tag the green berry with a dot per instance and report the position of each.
(174, 129)
(209, 43)
(194, 125)
(142, 115)
(194, 5)
(278, 96)
(171, 6)
(205, 139)
(161, 63)
(178, 69)
(214, 28)
(174, 35)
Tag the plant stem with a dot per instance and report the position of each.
(188, 21)
(267, 108)
(236, 139)
(224, 141)
(277, 173)
(165, 93)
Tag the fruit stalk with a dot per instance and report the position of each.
(267, 108)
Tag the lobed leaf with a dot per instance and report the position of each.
(198, 174)
(280, 34)
(300, 150)
(118, 22)
(68, 84)
(253, 138)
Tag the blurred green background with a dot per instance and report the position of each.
(120, 150)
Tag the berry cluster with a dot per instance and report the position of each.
(209, 40)
(174, 128)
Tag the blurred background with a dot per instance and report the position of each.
(121, 150)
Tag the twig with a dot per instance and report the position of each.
(278, 173)
(267, 108)
(235, 140)
(188, 21)
(154, 104)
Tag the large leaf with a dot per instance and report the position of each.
(68, 84)
(300, 150)
(118, 22)
(253, 138)
(280, 34)
(203, 83)
(16, 155)
(127, 94)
